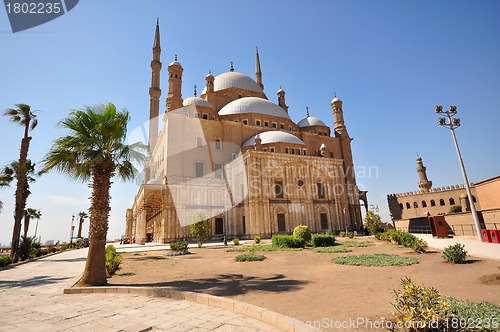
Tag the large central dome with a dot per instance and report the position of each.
(235, 80)
(254, 105)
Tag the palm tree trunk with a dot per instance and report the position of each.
(26, 225)
(95, 267)
(80, 228)
(21, 195)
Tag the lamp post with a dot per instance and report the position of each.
(71, 233)
(452, 123)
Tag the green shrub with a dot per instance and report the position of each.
(287, 241)
(322, 240)
(455, 253)
(342, 234)
(5, 260)
(250, 258)
(455, 208)
(180, 246)
(481, 312)
(236, 241)
(378, 235)
(113, 260)
(333, 250)
(28, 248)
(302, 232)
(357, 244)
(350, 235)
(257, 239)
(64, 246)
(419, 246)
(45, 251)
(418, 305)
(375, 260)
(405, 239)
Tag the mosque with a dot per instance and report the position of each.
(240, 160)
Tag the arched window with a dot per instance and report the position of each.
(473, 199)
(286, 150)
(218, 144)
(424, 204)
(331, 154)
(433, 203)
(305, 152)
(401, 206)
(415, 205)
(245, 122)
(441, 202)
(407, 205)
(452, 201)
(199, 142)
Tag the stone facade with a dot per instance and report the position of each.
(242, 161)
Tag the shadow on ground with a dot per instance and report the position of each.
(230, 284)
(31, 282)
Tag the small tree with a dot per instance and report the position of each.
(372, 221)
(200, 227)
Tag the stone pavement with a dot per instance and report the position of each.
(473, 247)
(32, 299)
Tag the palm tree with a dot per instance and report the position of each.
(95, 151)
(25, 117)
(30, 213)
(82, 216)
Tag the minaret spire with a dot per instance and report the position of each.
(154, 93)
(258, 72)
(424, 183)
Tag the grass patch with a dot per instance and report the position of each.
(356, 244)
(375, 260)
(263, 247)
(332, 249)
(250, 258)
(473, 311)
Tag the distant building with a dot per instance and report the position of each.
(241, 160)
(409, 210)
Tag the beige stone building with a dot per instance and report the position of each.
(410, 210)
(241, 160)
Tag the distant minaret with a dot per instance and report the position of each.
(154, 91)
(423, 184)
(174, 98)
(258, 72)
(338, 118)
(281, 99)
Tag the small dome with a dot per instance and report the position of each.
(322, 146)
(334, 100)
(274, 136)
(196, 101)
(154, 182)
(235, 80)
(254, 105)
(175, 63)
(311, 121)
(209, 75)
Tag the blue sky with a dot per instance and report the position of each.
(389, 61)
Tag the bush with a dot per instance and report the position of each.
(405, 239)
(287, 241)
(236, 241)
(419, 246)
(322, 240)
(302, 232)
(342, 234)
(455, 208)
(28, 248)
(180, 246)
(113, 260)
(5, 260)
(350, 235)
(257, 239)
(375, 260)
(455, 253)
(250, 258)
(200, 227)
(418, 304)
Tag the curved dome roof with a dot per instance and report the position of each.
(235, 80)
(175, 63)
(311, 121)
(274, 136)
(254, 105)
(196, 101)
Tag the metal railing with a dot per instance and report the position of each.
(458, 230)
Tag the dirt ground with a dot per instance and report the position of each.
(306, 285)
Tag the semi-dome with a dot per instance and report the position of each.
(254, 105)
(310, 121)
(235, 80)
(274, 136)
(196, 101)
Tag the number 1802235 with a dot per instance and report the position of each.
(33, 8)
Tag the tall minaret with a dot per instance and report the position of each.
(423, 184)
(174, 98)
(258, 73)
(281, 99)
(154, 91)
(338, 118)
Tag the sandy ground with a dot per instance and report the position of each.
(305, 284)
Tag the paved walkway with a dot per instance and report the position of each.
(473, 247)
(32, 299)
